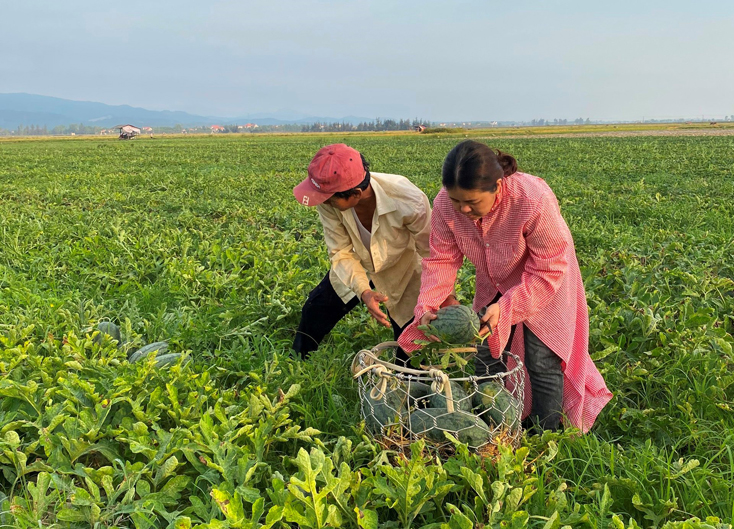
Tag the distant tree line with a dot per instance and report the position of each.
(22, 130)
(543, 122)
(376, 125)
(43, 130)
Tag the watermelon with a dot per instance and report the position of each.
(432, 422)
(164, 360)
(418, 394)
(459, 397)
(385, 411)
(497, 406)
(455, 324)
(143, 352)
(110, 329)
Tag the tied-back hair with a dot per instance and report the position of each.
(474, 165)
(362, 185)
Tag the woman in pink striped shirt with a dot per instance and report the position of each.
(509, 225)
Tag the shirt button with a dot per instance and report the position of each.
(486, 244)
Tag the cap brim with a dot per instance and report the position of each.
(307, 194)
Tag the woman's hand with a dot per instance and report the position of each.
(372, 300)
(488, 322)
(426, 319)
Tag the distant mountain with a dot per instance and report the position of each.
(30, 109)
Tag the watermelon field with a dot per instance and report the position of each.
(198, 241)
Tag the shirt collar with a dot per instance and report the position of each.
(385, 203)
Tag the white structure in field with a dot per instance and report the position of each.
(127, 132)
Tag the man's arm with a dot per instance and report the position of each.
(344, 261)
(419, 224)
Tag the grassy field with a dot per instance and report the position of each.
(199, 241)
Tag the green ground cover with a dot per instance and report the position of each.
(199, 241)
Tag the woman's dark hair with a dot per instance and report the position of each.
(362, 185)
(474, 165)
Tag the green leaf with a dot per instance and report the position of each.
(165, 470)
(554, 522)
(81, 497)
(366, 518)
(174, 486)
(182, 522)
(458, 520)
(69, 514)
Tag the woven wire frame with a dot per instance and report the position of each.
(400, 405)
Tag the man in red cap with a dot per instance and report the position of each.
(376, 228)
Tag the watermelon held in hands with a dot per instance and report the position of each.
(455, 324)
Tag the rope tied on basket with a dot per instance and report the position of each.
(379, 390)
(366, 361)
(442, 384)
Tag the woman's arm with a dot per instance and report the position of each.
(437, 278)
(547, 239)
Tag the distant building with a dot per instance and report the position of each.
(217, 128)
(420, 128)
(247, 126)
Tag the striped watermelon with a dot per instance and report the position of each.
(161, 349)
(456, 324)
(110, 329)
(497, 406)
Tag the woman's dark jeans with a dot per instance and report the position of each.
(546, 379)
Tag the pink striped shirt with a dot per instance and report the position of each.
(523, 249)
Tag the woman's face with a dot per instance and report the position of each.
(473, 203)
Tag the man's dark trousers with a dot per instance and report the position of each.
(322, 311)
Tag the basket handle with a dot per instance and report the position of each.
(441, 383)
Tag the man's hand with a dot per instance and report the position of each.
(488, 322)
(451, 300)
(426, 319)
(372, 300)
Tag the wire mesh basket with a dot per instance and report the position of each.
(478, 401)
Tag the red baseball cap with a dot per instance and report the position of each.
(335, 168)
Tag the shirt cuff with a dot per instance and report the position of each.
(362, 284)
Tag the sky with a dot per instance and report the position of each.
(450, 60)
